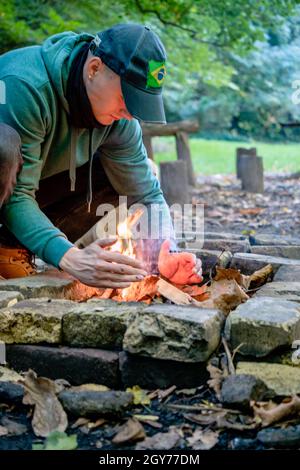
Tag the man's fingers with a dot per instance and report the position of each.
(105, 241)
(115, 257)
(122, 269)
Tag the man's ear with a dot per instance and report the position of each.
(94, 66)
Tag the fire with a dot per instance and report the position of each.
(125, 244)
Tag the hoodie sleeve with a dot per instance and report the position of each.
(27, 113)
(125, 163)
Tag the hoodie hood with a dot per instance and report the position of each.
(58, 52)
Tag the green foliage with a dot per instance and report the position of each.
(57, 441)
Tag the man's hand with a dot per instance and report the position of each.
(97, 267)
(180, 268)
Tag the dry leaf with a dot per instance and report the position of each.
(260, 277)
(140, 396)
(80, 422)
(216, 379)
(9, 375)
(225, 295)
(13, 428)
(270, 413)
(230, 273)
(203, 440)
(222, 420)
(139, 291)
(151, 420)
(49, 414)
(253, 211)
(96, 424)
(160, 441)
(3, 431)
(90, 388)
(165, 393)
(132, 430)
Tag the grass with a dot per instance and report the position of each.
(217, 156)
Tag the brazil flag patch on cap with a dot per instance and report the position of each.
(156, 74)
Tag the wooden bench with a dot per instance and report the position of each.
(180, 131)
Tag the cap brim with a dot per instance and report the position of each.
(143, 105)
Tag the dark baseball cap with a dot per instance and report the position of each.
(138, 56)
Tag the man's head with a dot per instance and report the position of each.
(11, 161)
(124, 74)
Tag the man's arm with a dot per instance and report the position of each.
(26, 112)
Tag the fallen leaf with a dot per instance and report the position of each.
(3, 431)
(139, 291)
(216, 379)
(13, 428)
(9, 375)
(203, 440)
(139, 395)
(132, 430)
(165, 393)
(151, 420)
(222, 420)
(270, 413)
(80, 422)
(186, 391)
(160, 441)
(58, 441)
(225, 295)
(96, 424)
(90, 388)
(260, 277)
(253, 211)
(49, 414)
(230, 273)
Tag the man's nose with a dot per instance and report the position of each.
(125, 114)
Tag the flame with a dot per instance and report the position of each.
(124, 243)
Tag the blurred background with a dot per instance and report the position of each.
(232, 64)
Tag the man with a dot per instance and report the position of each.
(76, 101)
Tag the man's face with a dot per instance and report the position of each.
(104, 91)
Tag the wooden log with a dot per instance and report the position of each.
(148, 146)
(240, 151)
(170, 129)
(183, 153)
(252, 173)
(174, 182)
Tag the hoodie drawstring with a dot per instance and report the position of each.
(89, 196)
(72, 165)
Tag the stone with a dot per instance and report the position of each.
(271, 239)
(247, 263)
(88, 403)
(193, 235)
(292, 252)
(287, 273)
(211, 258)
(234, 246)
(288, 437)
(173, 332)
(90, 325)
(284, 380)
(11, 393)
(238, 390)
(39, 285)
(239, 443)
(150, 373)
(282, 290)
(33, 321)
(7, 299)
(76, 365)
(263, 324)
